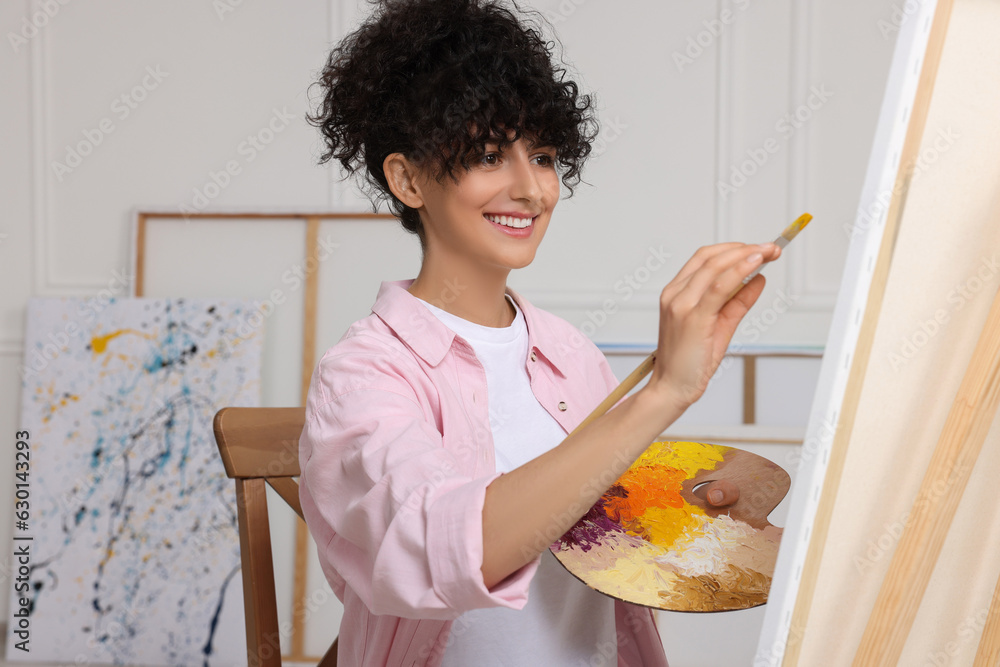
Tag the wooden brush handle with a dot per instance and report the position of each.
(627, 385)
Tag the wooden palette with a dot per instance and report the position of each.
(653, 539)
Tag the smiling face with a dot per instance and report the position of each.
(494, 217)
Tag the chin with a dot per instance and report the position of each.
(521, 262)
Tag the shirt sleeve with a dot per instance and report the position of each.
(392, 513)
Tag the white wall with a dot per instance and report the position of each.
(673, 131)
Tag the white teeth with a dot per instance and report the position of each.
(508, 221)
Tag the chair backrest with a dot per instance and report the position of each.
(261, 445)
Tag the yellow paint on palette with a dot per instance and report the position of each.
(651, 540)
(653, 507)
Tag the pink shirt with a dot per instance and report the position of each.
(396, 456)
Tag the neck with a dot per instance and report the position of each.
(477, 296)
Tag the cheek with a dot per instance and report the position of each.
(474, 194)
(553, 189)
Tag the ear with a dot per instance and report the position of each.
(402, 176)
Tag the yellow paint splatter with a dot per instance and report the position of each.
(100, 343)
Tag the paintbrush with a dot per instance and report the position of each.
(791, 231)
(646, 367)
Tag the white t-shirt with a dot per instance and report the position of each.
(564, 623)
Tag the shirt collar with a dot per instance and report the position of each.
(429, 338)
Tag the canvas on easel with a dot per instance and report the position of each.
(905, 354)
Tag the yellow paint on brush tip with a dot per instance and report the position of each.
(796, 227)
(791, 231)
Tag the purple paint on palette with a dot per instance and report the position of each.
(592, 528)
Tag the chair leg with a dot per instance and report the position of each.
(263, 639)
(330, 659)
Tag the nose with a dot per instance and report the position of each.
(525, 184)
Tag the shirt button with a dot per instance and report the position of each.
(562, 405)
(532, 355)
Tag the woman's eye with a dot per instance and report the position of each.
(545, 160)
(491, 159)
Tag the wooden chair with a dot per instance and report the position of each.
(261, 445)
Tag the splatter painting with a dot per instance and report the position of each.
(653, 539)
(135, 547)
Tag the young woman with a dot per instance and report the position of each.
(437, 427)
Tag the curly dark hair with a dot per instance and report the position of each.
(436, 80)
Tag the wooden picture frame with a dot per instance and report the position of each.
(308, 224)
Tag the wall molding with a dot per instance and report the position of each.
(38, 211)
(723, 125)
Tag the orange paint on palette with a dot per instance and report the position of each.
(647, 487)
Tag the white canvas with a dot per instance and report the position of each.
(134, 556)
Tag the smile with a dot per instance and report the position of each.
(509, 221)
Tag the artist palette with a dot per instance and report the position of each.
(653, 538)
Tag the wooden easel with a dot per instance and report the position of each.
(870, 611)
(972, 413)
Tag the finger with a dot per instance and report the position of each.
(747, 295)
(767, 259)
(732, 314)
(721, 493)
(711, 286)
(695, 264)
(701, 256)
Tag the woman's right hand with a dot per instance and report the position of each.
(698, 317)
(697, 320)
